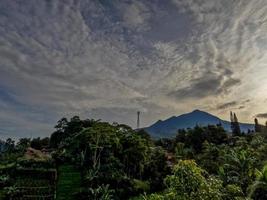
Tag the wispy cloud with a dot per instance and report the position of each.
(262, 115)
(108, 59)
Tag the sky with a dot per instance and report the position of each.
(107, 59)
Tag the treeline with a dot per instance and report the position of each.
(117, 162)
(235, 127)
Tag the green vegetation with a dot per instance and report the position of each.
(88, 159)
(69, 182)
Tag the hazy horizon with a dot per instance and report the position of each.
(109, 59)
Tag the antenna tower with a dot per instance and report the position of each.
(138, 119)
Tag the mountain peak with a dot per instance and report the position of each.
(198, 111)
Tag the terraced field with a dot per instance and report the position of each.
(35, 185)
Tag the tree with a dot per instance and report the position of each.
(181, 136)
(114, 155)
(23, 143)
(189, 182)
(145, 136)
(239, 168)
(10, 144)
(62, 124)
(156, 169)
(235, 125)
(258, 190)
(257, 126)
(182, 152)
(165, 143)
(194, 138)
(209, 159)
(59, 135)
(66, 129)
(38, 143)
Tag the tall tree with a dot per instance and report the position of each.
(235, 125)
(257, 126)
(232, 121)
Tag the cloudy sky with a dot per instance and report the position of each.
(109, 58)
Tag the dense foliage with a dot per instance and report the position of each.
(113, 161)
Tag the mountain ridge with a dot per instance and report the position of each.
(170, 126)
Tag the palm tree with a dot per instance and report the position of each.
(259, 189)
(239, 168)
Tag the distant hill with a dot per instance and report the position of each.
(169, 127)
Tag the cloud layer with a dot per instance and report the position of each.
(108, 59)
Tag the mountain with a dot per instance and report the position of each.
(169, 127)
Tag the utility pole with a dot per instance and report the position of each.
(138, 119)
